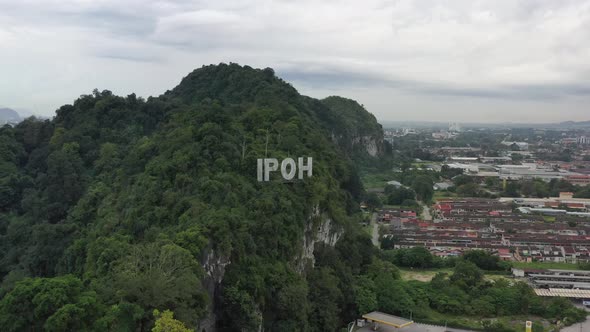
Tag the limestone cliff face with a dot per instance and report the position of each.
(319, 229)
(373, 145)
(214, 265)
(369, 144)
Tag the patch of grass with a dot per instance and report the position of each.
(444, 194)
(549, 218)
(425, 275)
(545, 265)
(515, 322)
(437, 318)
(378, 179)
(495, 277)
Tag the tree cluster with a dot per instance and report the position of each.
(110, 210)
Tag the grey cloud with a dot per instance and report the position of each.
(331, 78)
(110, 20)
(481, 52)
(129, 57)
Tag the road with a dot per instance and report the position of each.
(577, 327)
(375, 233)
(416, 327)
(426, 216)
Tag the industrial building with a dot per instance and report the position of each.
(553, 280)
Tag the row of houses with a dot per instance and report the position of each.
(462, 206)
(526, 249)
(488, 224)
(558, 254)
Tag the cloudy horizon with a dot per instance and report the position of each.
(463, 61)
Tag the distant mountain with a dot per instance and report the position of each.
(8, 115)
(574, 124)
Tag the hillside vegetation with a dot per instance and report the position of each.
(115, 207)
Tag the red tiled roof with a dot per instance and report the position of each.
(444, 206)
(575, 205)
(581, 177)
(569, 250)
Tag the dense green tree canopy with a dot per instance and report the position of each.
(119, 202)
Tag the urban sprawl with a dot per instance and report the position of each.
(520, 194)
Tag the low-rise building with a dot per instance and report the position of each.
(442, 185)
(578, 179)
(520, 145)
(553, 278)
(464, 160)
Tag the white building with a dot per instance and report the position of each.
(465, 167)
(521, 145)
(464, 160)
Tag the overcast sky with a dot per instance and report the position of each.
(492, 61)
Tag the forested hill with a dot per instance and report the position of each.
(120, 205)
(353, 127)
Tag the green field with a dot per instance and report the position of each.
(443, 194)
(545, 265)
(378, 179)
(422, 275)
(427, 274)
